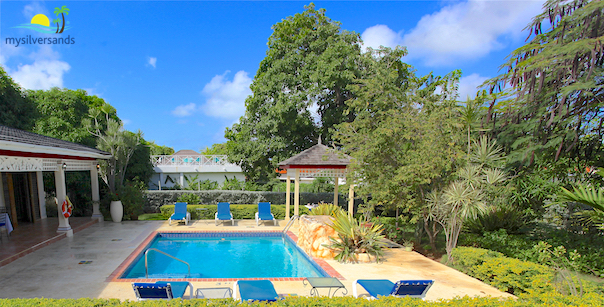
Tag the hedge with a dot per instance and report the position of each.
(544, 300)
(239, 211)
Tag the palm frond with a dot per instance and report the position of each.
(584, 195)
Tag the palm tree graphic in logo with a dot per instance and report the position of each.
(41, 23)
(63, 11)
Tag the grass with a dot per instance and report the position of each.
(150, 217)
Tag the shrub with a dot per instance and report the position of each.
(191, 198)
(544, 300)
(133, 199)
(501, 217)
(506, 274)
(326, 209)
(354, 238)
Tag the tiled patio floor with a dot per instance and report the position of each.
(29, 237)
(79, 266)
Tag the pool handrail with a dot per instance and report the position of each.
(157, 250)
(290, 223)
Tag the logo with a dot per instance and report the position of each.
(41, 23)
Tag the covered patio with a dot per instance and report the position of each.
(24, 157)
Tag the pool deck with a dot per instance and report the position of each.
(81, 266)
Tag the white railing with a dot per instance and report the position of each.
(181, 160)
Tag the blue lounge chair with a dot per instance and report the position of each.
(161, 290)
(255, 290)
(223, 213)
(264, 213)
(384, 287)
(180, 214)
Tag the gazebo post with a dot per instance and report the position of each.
(297, 193)
(41, 194)
(351, 200)
(287, 197)
(335, 191)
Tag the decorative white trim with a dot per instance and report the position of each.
(15, 146)
(20, 164)
(318, 172)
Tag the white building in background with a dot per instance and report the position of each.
(184, 165)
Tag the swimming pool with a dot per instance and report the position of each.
(224, 255)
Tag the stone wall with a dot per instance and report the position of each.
(156, 199)
(314, 232)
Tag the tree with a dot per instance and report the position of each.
(16, 109)
(216, 149)
(62, 111)
(467, 197)
(156, 150)
(140, 167)
(405, 137)
(113, 139)
(63, 10)
(554, 108)
(310, 63)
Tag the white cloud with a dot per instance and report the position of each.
(45, 72)
(468, 86)
(152, 61)
(468, 30)
(184, 110)
(226, 99)
(380, 35)
(126, 122)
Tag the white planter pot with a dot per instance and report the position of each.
(117, 211)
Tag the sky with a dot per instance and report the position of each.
(180, 71)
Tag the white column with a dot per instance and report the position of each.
(160, 180)
(2, 205)
(182, 180)
(287, 197)
(41, 195)
(335, 191)
(96, 198)
(61, 193)
(351, 200)
(297, 193)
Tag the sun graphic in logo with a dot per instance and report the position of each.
(40, 19)
(41, 23)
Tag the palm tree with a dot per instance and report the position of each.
(63, 10)
(57, 22)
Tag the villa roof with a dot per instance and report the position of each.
(186, 152)
(14, 141)
(318, 155)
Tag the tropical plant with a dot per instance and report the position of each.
(190, 198)
(63, 10)
(233, 184)
(565, 266)
(119, 143)
(326, 209)
(355, 238)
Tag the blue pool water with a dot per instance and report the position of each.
(225, 255)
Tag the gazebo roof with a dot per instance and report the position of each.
(317, 156)
(23, 143)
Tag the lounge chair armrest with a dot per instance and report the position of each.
(235, 290)
(355, 293)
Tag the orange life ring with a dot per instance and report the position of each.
(67, 208)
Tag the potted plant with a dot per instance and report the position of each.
(355, 239)
(408, 245)
(116, 208)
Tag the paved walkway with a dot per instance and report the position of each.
(55, 271)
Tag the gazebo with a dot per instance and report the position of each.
(317, 161)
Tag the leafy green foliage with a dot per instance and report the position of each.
(506, 274)
(498, 217)
(16, 109)
(327, 209)
(191, 199)
(159, 149)
(542, 300)
(310, 62)
(555, 107)
(232, 184)
(216, 149)
(355, 237)
(133, 200)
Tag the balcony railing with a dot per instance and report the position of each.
(180, 160)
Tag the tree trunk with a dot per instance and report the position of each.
(63, 27)
(57, 28)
